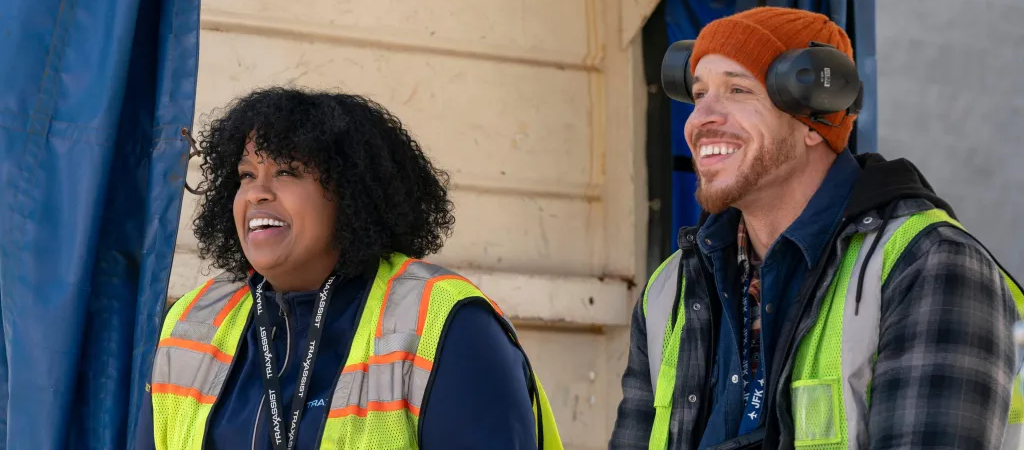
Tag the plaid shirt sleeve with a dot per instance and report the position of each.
(946, 355)
(636, 410)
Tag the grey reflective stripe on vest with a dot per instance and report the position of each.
(660, 297)
(402, 308)
(191, 369)
(860, 347)
(188, 368)
(197, 325)
(382, 383)
(401, 379)
(1013, 438)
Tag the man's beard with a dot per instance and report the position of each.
(770, 157)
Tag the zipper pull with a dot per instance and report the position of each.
(282, 305)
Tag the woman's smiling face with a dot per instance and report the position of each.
(284, 220)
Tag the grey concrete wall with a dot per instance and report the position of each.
(951, 99)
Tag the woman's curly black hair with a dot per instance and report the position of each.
(390, 197)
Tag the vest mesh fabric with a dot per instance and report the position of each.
(819, 419)
(663, 395)
(664, 373)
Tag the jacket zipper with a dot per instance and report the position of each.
(280, 370)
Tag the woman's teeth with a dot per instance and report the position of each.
(256, 224)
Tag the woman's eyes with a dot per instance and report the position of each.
(279, 173)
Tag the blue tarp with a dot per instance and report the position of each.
(94, 95)
(685, 18)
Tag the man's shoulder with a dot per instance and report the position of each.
(944, 244)
(948, 255)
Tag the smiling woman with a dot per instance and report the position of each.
(318, 206)
(341, 166)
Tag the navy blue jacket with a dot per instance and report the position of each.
(478, 399)
(786, 262)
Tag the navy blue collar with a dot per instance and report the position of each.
(288, 296)
(812, 229)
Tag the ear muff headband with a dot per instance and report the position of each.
(676, 78)
(812, 82)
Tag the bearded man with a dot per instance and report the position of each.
(826, 301)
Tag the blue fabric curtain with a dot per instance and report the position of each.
(685, 18)
(94, 96)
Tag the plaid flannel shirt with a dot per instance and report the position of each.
(945, 363)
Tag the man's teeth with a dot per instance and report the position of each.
(264, 222)
(708, 150)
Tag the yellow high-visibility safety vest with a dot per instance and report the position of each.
(379, 392)
(831, 378)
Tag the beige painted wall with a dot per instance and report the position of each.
(534, 106)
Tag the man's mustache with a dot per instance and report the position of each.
(712, 133)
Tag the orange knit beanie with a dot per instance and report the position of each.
(755, 37)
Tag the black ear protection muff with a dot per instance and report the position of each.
(810, 82)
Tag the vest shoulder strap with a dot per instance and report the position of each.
(420, 297)
(437, 292)
(917, 223)
(663, 340)
(199, 314)
(905, 234)
(384, 381)
(401, 328)
(658, 302)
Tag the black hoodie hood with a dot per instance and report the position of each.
(884, 182)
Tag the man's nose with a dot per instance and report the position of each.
(708, 111)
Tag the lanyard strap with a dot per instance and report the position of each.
(271, 380)
(753, 384)
(747, 325)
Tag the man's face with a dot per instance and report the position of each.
(739, 139)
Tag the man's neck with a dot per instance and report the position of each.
(770, 210)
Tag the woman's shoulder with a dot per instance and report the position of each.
(219, 289)
(476, 334)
